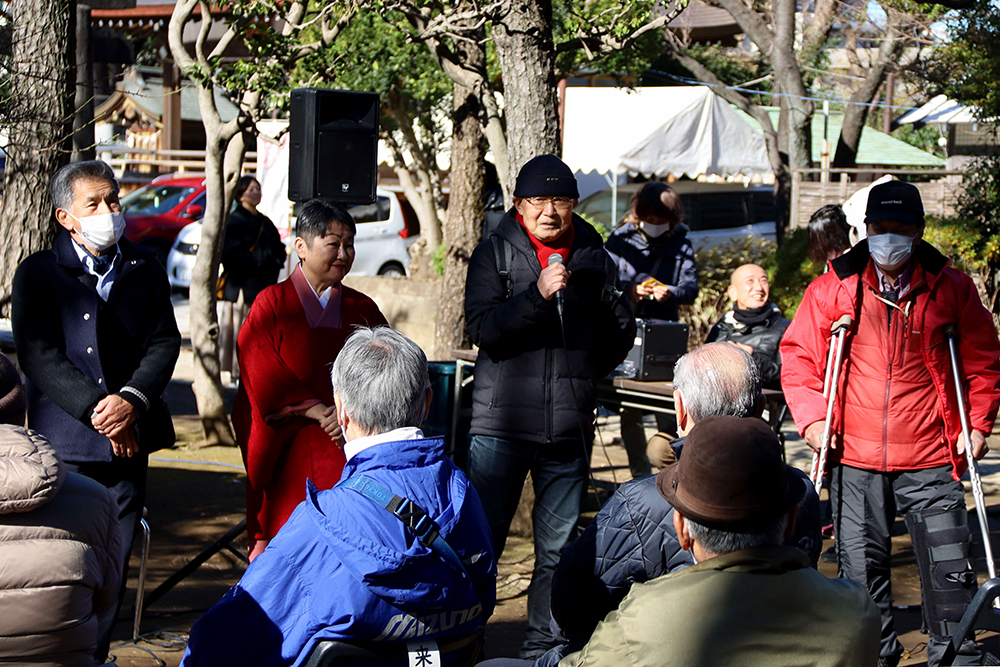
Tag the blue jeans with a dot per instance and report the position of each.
(497, 468)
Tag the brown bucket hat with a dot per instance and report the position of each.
(731, 475)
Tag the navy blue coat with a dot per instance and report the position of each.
(75, 348)
(668, 258)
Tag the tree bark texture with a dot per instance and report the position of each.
(522, 34)
(464, 222)
(40, 128)
(84, 142)
(224, 149)
(223, 159)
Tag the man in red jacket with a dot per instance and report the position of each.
(896, 442)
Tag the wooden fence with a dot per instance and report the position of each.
(939, 194)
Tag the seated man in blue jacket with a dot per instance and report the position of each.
(358, 562)
(632, 539)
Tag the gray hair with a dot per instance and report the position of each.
(61, 187)
(718, 541)
(718, 380)
(381, 377)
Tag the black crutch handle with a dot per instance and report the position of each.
(951, 331)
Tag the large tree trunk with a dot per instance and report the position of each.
(788, 76)
(223, 158)
(522, 34)
(84, 143)
(40, 128)
(464, 221)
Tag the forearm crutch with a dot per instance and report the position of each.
(838, 334)
(951, 333)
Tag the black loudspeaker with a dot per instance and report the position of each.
(658, 346)
(334, 145)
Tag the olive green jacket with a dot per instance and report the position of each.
(760, 607)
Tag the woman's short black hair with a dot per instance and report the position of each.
(242, 185)
(315, 218)
(659, 200)
(828, 232)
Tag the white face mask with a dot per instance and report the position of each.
(654, 230)
(101, 231)
(890, 251)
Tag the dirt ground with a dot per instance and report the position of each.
(196, 494)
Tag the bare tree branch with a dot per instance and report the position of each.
(183, 11)
(224, 41)
(752, 23)
(602, 41)
(328, 35)
(817, 30)
(203, 33)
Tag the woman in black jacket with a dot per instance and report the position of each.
(252, 257)
(656, 267)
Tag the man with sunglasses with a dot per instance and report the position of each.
(543, 305)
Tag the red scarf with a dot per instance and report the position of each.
(560, 246)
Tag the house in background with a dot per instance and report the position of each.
(134, 114)
(965, 135)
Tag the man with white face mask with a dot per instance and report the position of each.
(896, 441)
(95, 335)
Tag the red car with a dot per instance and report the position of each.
(155, 213)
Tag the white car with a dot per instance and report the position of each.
(385, 231)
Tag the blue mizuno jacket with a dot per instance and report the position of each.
(343, 567)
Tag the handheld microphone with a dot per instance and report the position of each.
(556, 258)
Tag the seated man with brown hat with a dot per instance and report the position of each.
(632, 538)
(748, 600)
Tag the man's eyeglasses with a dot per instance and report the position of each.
(561, 203)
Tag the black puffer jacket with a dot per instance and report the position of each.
(632, 540)
(524, 372)
(764, 338)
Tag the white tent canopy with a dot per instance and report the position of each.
(658, 131)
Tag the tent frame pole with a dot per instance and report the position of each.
(612, 180)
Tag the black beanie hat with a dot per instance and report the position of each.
(546, 176)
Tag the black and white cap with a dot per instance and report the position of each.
(896, 201)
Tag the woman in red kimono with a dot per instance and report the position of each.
(284, 415)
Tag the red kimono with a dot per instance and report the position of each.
(286, 349)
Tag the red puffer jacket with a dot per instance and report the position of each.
(890, 414)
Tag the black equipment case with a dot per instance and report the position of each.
(658, 346)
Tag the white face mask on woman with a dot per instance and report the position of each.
(890, 251)
(101, 231)
(654, 230)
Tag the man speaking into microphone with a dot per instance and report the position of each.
(542, 303)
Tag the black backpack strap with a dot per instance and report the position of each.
(610, 293)
(504, 255)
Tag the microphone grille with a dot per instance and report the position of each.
(555, 258)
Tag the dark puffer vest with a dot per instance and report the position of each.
(529, 385)
(764, 337)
